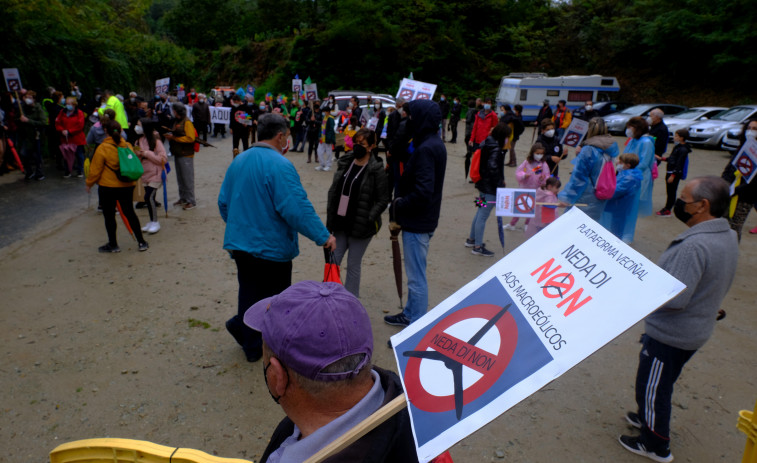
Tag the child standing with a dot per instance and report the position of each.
(677, 162)
(547, 193)
(531, 175)
(153, 155)
(328, 138)
(621, 211)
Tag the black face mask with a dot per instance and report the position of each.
(359, 151)
(679, 209)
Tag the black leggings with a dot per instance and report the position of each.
(150, 201)
(109, 196)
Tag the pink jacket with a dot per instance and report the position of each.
(152, 162)
(526, 176)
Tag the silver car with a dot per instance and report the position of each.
(690, 117)
(616, 123)
(711, 133)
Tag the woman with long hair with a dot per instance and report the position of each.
(152, 153)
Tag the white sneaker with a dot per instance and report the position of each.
(326, 169)
(154, 228)
(319, 168)
(147, 226)
(508, 227)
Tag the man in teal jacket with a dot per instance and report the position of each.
(265, 206)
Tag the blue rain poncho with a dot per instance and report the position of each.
(621, 211)
(644, 148)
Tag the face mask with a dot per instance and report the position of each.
(629, 132)
(139, 130)
(441, 99)
(286, 148)
(679, 209)
(359, 151)
(202, 101)
(620, 167)
(376, 107)
(487, 107)
(538, 156)
(28, 101)
(97, 97)
(235, 104)
(133, 100)
(73, 92)
(751, 133)
(63, 101)
(676, 142)
(649, 120)
(588, 107)
(349, 105)
(69, 107)
(457, 102)
(193, 94)
(549, 133)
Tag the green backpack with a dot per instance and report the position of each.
(129, 165)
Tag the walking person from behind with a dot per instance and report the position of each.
(704, 259)
(265, 207)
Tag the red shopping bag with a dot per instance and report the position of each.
(331, 269)
(443, 458)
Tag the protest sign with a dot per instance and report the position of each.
(311, 92)
(746, 160)
(12, 79)
(415, 90)
(575, 133)
(218, 114)
(525, 321)
(250, 90)
(296, 86)
(516, 202)
(161, 85)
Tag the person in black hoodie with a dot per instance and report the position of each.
(418, 203)
(318, 368)
(492, 172)
(676, 164)
(444, 107)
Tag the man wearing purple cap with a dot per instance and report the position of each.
(265, 207)
(317, 345)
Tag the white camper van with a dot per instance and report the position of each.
(531, 89)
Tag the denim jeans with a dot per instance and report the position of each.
(479, 221)
(415, 251)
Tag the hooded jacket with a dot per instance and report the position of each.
(74, 123)
(392, 441)
(419, 201)
(491, 167)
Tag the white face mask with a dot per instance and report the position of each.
(620, 167)
(649, 120)
(751, 133)
(538, 156)
(629, 132)
(549, 133)
(589, 107)
(28, 101)
(138, 130)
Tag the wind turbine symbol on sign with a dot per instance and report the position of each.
(453, 365)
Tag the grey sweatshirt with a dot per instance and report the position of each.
(704, 259)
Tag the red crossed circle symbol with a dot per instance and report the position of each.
(524, 203)
(507, 329)
(571, 138)
(745, 166)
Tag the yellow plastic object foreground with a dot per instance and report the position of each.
(747, 423)
(111, 450)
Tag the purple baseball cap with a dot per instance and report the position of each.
(311, 325)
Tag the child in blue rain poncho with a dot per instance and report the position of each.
(642, 145)
(620, 213)
(599, 147)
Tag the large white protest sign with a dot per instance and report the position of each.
(296, 86)
(516, 202)
(575, 132)
(525, 321)
(415, 90)
(746, 160)
(12, 79)
(161, 85)
(311, 92)
(218, 114)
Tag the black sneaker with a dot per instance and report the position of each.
(482, 251)
(634, 445)
(143, 246)
(397, 320)
(469, 243)
(634, 420)
(140, 205)
(108, 248)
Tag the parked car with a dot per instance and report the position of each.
(616, 123)
(342, 98)
(604, 108)
(690, 117)
(711, 133)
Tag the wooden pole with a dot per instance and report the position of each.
(363, 428)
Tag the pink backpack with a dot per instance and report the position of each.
(605, 187)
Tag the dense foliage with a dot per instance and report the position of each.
(691, 50)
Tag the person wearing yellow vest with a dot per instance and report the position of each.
(112, 102)
(182, 141)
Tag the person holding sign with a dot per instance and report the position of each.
(599, 148)
(30, 120)
(317, 346)
(746, 192)
(531, 174)
(704, 259)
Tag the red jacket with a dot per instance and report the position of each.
(74, 124)
(482, 126)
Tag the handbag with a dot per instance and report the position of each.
(331, 269)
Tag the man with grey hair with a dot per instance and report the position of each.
(181, 138)
(659, 131)
(704, 259)
(317, 346)
(265, 207)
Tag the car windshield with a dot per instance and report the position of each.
(690, 114)
(734, 114)
(638, 109)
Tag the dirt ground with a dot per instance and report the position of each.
(133, 345)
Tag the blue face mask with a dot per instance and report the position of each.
(487, 107)
(69, 107)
